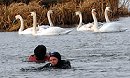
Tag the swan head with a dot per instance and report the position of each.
(94, 11)
(33, 13)
(78, 12)
(50, 11)
(108, 9)
(18, 17)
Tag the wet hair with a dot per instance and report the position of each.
(56, 54)
(40, 52)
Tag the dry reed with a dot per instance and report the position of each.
(64, 12)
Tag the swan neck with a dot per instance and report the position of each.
(95, 23)
(34, 24)
(106, 16)
(22, 24)
(49, 19)
(80, 22)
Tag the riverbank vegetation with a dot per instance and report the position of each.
(64, 12)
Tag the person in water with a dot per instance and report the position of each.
(55, 62)
(40, 55)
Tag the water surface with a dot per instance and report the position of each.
(92, 55)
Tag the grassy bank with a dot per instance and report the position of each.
(64, 12)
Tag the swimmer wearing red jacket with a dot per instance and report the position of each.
(40, 55)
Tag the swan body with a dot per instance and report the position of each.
(48, 31)
(108, 27)
(21, 29)
(85, 27)
(100, 24)
(53, 31)
(82, 27)
(111, 27)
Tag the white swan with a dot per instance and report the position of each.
(44, 26)
(100, 24)
(108, 27)
(48, 31)
(82, 27)
(49, 19)
(21, 29)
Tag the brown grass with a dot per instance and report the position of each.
(64, 12)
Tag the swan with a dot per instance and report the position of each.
(107, 27)
(49, 19)
(82, 27)
(100, 24)
(48, 31)
(21, 29)
(107, 9)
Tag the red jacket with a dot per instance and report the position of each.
(32, 58)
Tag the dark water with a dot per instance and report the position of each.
(92, 55)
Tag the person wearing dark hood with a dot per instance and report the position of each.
(55, 62)
(40, 55)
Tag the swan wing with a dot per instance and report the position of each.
(53, 31)
(44, 26)
(86, 27)
(26, 31)
(112, 27)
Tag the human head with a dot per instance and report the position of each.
(40, 52)
(55, 58)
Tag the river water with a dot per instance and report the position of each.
(92, 55)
